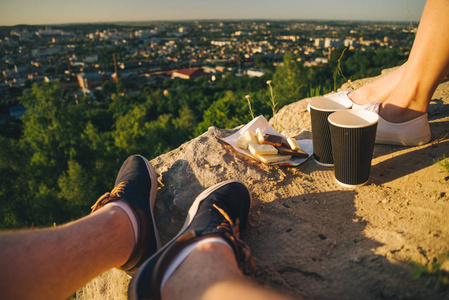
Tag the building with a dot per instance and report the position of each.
(221, 43)
(46, 51)
(319, 43)
(187, 73)
(89, 81)
(255, 73)
(328, 42)
(91, 59)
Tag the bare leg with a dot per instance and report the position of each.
(427, 66)
(380, 89)
(53, 263)
(406, 92)
(196, 279)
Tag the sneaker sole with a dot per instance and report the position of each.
(413, 142)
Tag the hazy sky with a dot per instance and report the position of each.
(13, 12)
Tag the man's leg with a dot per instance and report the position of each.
(121, 232)
(53, 263)
(211, 272)
(205, 259)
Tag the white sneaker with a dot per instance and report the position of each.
(411, 133)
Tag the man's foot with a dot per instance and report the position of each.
(136, 185)
(217, 213)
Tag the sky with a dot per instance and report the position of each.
(37, 12)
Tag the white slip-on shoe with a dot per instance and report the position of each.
(372, 106)
(342, 96)
(410, 133)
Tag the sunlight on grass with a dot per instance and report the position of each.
(436, 272)
(444, 163)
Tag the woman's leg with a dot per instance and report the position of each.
(406, 92)
(427, 66)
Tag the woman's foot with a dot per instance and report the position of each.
(378, 90)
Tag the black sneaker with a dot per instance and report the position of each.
(136, 184)
(218, 211)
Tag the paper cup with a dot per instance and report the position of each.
(353, 133)
(320, 109)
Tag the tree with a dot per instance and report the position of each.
(289, 81)
(227, 112)
(15, 197)
(52, 128)
(131, 130)
(76, 188)
(109, 87)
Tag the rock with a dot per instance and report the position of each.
(287, 215)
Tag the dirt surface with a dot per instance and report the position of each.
(313, 238)
(319, 240)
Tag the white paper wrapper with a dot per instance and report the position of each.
(262, 123)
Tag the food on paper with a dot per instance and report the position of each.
(251, 137)
(293, 144)
(273, 158)
(259, 126)
(269, 148)
(242, 143)
(261, 149)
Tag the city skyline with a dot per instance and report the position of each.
(48, 12)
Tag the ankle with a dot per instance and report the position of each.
(130, 214)
(124, 230)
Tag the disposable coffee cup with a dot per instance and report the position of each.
(353, 133)
(320, 109)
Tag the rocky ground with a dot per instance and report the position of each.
(313, 238)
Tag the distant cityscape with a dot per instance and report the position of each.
(82, 57)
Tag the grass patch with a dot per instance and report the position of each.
(338, 71)
(436, 272)
(248, 98)
(273, 103)
(443, 163)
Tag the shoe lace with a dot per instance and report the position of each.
(110, 196)
(245, 258)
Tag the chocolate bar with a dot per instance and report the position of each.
(288, 151)
(272, 139)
